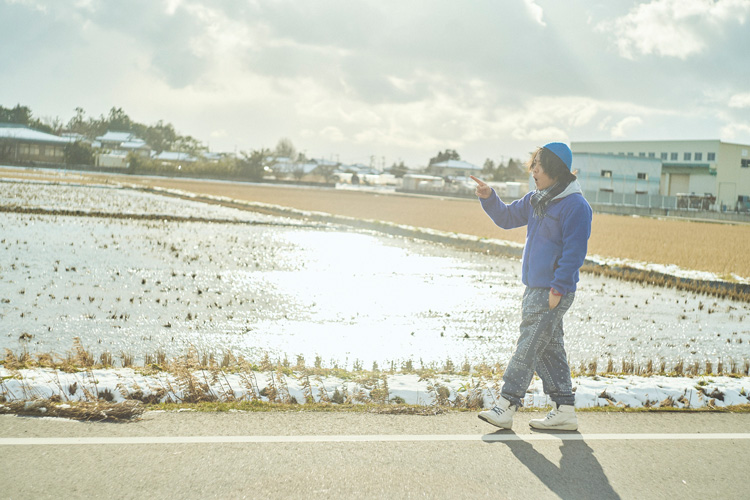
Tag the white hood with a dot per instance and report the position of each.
(572, 188)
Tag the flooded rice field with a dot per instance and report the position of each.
(257, 284)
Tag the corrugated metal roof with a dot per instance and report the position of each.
(135, 144)
(457, 164)
(174, 156)
(306, 168)
(116, 137)
(26, 134)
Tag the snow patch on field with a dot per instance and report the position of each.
(591, 391)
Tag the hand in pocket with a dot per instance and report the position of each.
(554, 300)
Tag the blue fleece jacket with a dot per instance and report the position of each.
(556, 245)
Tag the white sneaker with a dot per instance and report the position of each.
(500, 415)
(560, 418)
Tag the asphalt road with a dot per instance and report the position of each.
(348, 455)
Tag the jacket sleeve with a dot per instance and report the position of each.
(576, 229)
(507, 216)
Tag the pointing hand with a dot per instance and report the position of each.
(483, 190)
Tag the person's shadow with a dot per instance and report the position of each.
(580, 475)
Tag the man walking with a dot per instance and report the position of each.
(558, 220)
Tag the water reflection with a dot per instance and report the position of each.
(374, 298)
(139, 287)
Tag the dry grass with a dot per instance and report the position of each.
(733, 291)
(677, 368)
(197, 380)
(97, 411)
(185, 366)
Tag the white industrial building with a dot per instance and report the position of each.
(618, 174)
(706, 166)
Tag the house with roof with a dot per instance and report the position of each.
(214, 157)
(116, 146)
(299, 170)
(455, 168)
(280, 165)
(175, 157)
(22, 144)
(122, 143)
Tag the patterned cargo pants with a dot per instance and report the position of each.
(540, 349)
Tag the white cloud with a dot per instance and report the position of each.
(34, 4)
(674, 28)
(740, 100)
(621, 129)
(551, 115)
(540, 135)
(332, 134)
(736, 131)
(171, 6)
(85, 4)
(355, 79)
(535, 11)
(605, 123)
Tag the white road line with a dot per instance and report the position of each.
(381, 438)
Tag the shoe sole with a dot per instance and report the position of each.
(566, 427)
(493, 423)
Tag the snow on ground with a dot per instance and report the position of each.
(654, 324)
(591, 391)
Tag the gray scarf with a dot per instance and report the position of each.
(540, 199)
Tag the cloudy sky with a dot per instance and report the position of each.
(388, 80)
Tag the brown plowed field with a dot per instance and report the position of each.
(703, 246)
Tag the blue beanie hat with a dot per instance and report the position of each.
(562, 151)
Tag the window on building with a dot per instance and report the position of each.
(664, 156)
(745, 164)
(698, 156)
(607, 173)
(34, 150)
(687, 156)
(24, 149)
(652, 155)
(642, 155)
(673, 156)
(643, 176)
(711, 156)
(606, 190)
(631, 154)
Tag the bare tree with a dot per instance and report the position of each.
(285, 149)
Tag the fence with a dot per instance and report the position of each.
(632, 200)
(657, 205)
